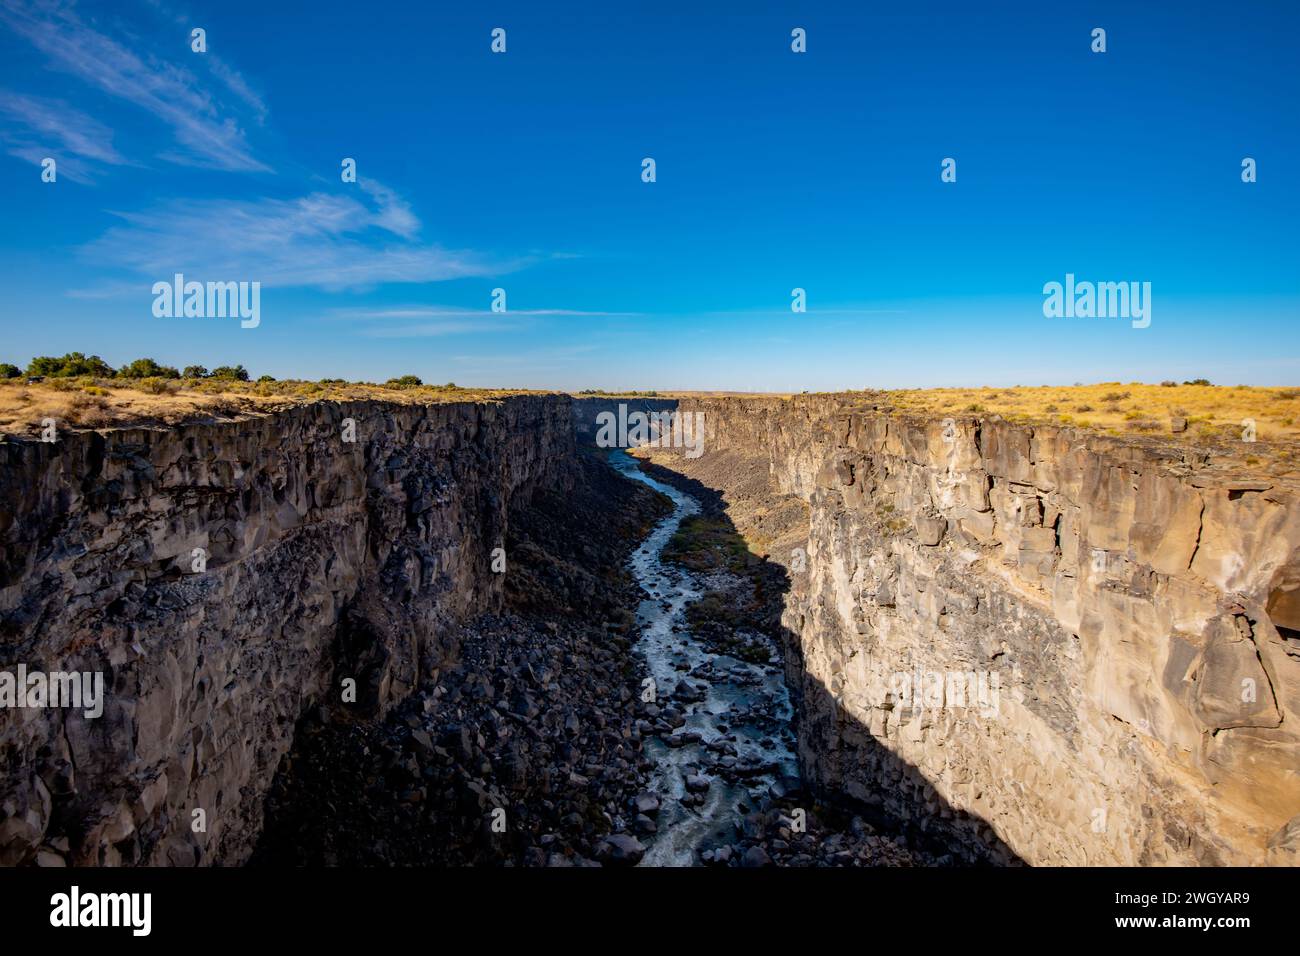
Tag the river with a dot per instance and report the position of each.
(736, 737)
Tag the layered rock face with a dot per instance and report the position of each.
(1040, 643)
(321, 558)
(1056, 646)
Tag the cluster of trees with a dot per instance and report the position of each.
(75, 363)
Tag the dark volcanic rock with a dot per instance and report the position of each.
(537, 755)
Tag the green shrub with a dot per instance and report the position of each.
(147, 368)
(195, 371)
(236, 373)
(155, 385)
(9, 371)
(74, 363)
(406, 381)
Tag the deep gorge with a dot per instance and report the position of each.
(884, 544)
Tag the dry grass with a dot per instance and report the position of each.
(102, 403)
(1212, 412)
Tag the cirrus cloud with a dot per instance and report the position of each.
(207, 133)
(36, 127)
(322, 240)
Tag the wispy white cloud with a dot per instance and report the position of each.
(446, 320)
(441, 312)
(235, 82)
(426, 330)
(73, 130)
(322, 240)
(228, 75)
(35, 127)
(208, 135)
(394, 213)
(436, 320)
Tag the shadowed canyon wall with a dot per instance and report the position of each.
(323, 558)
(1136, 604)
(1131, 608)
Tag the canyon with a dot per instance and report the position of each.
(1135, 597)
(1136, 600)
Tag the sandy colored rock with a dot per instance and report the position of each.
(1135, 600)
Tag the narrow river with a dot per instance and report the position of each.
(734, 737)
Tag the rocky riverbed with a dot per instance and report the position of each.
(539, 744)
(525, 749)
(725, 784)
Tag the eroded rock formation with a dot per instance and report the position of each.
(1127, 612)
(1112, 622)
(324, 558)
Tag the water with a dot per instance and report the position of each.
(745, 710)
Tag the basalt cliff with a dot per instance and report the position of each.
(1046, 643)
(1128, 612)
(227, 577)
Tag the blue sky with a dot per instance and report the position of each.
(775, 170)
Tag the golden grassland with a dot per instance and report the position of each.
(90, 403)
(1192, 413)
(1202, 412)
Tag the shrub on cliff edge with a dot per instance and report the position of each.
(67, 366)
